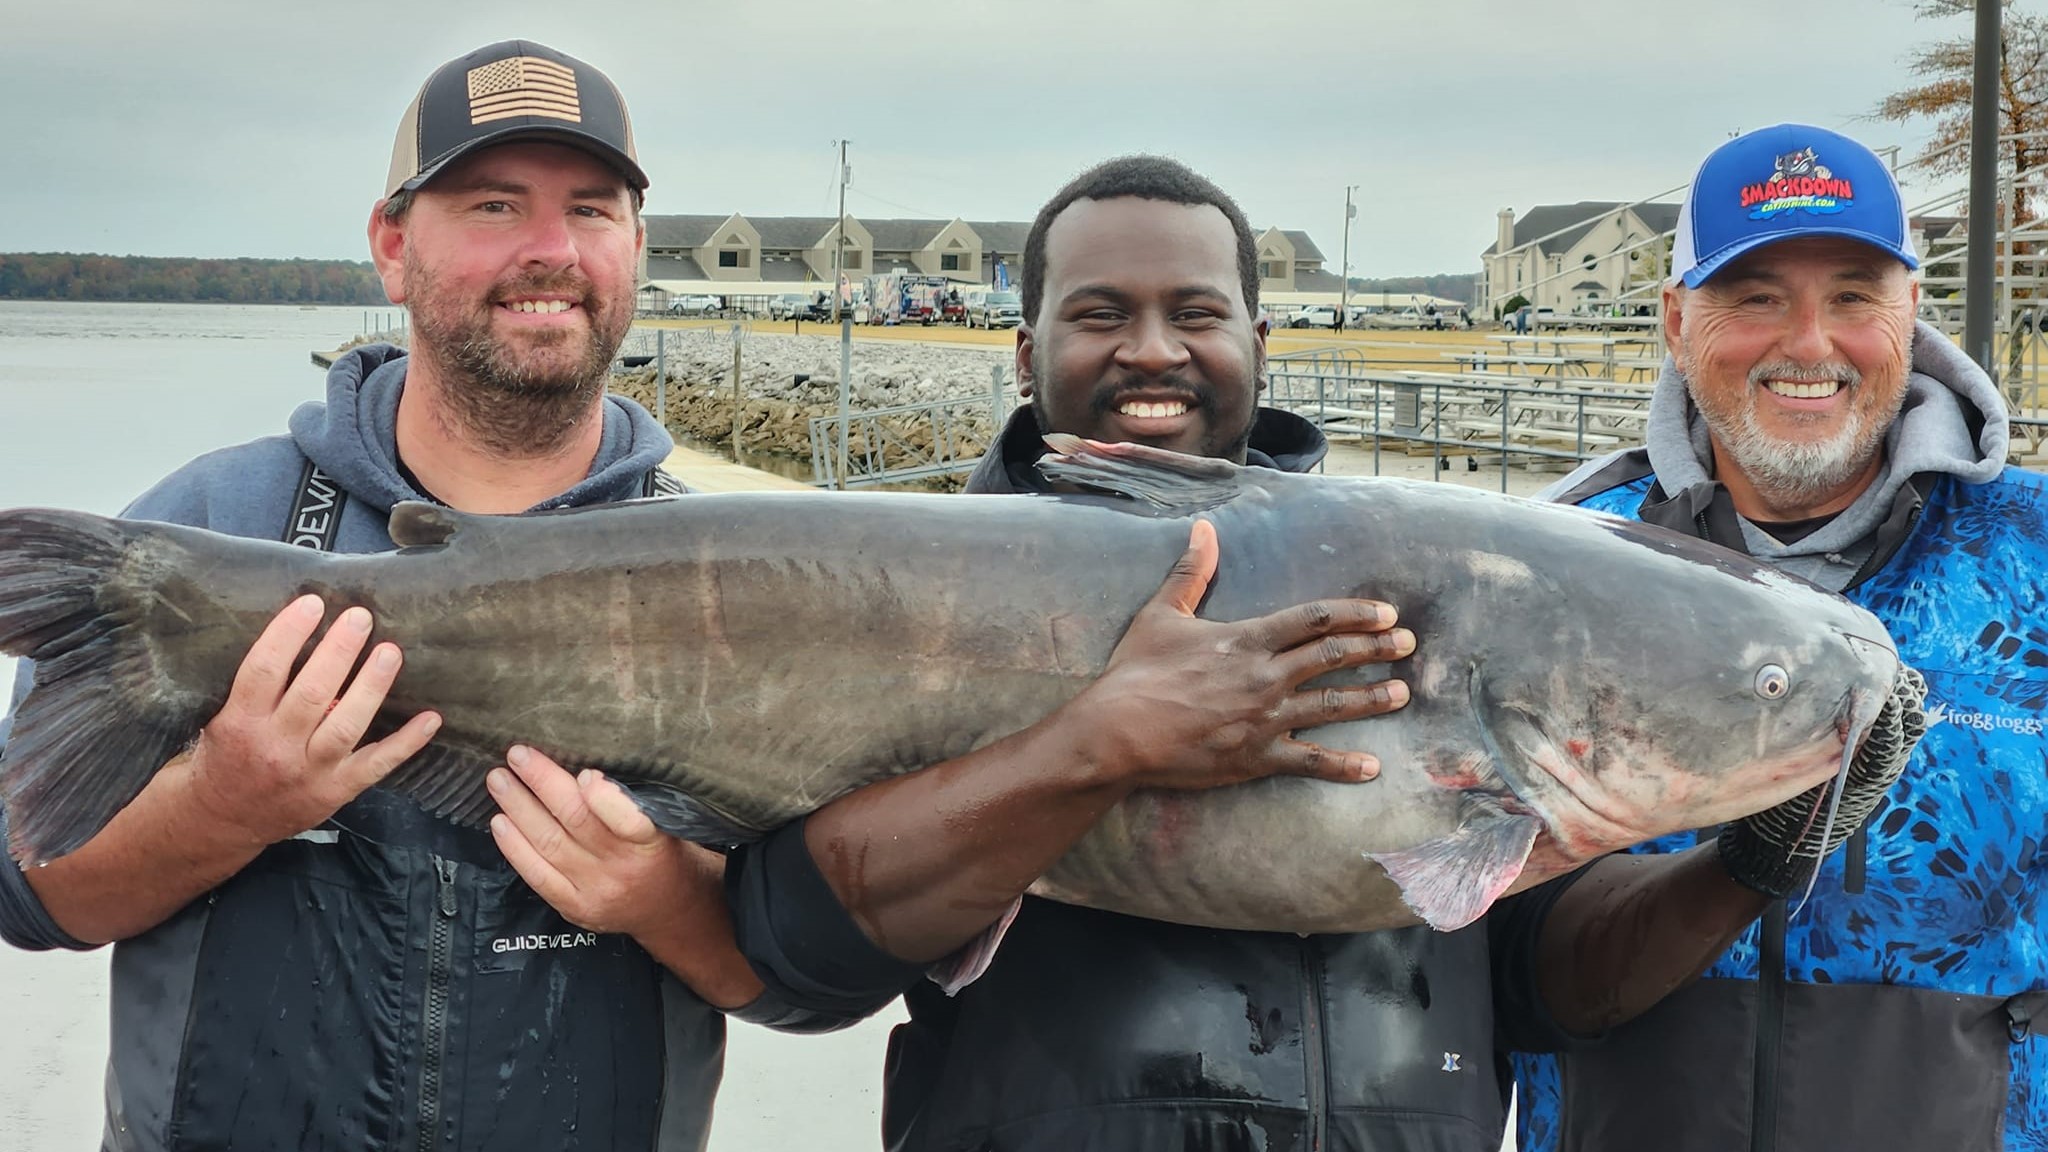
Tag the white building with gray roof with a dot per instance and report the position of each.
(738, 255)
(1581, 257)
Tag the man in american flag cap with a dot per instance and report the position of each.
(303, 959)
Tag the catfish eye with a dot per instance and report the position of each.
(1772, 682)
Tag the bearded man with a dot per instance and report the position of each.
(302, 959)
(1805, 418)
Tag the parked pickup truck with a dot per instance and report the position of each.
(994, 310)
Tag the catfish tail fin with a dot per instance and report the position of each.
(100, 719)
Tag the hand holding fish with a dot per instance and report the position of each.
(285, 752)
(584, 847)
(1192, 703)
(1778, 851)
(279, 757)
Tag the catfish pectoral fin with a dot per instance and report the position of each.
(103, 718)
(1452, 880)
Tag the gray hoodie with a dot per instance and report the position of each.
(1946, 395)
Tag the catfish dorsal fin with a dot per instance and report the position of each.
(1169, 480)
(416, 524)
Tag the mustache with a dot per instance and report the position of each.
(542, 283)
(1845, 374)
(1108, 396)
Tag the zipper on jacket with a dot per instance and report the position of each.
(434, 1032)
(1770, 1022)
(1314, 1043)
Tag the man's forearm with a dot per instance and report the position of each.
(927, 861)
(1633, 930)
(694, 937)
(157, 855)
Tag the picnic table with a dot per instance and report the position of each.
(1483, 361)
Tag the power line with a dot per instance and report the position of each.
(902, 207)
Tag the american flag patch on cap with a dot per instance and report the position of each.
(522, 86)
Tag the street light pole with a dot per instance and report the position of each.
(843, 286)
(1344, 288)
(1981, 262)
(839, 280)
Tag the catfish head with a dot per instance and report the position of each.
(1673, 685)
(1701, 687)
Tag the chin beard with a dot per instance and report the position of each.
(509, 404)
(510, 408)
(1792, 473)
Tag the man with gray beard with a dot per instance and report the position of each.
(1805, 418)
(303, 959)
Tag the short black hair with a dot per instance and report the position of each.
(1146, 178)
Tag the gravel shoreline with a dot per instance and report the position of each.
(786, 381)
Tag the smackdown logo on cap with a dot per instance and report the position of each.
(1783, 182)
(1800, 182)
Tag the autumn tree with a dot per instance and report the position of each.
(1945, 69)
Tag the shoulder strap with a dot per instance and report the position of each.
(660, 483)
(1626, 468)
(316, 511)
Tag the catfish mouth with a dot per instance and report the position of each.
(1587, 809)
(1879, 733)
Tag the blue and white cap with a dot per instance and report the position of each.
(1782, 182)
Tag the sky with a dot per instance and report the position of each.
(259, 128)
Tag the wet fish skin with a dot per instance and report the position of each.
(737, 661)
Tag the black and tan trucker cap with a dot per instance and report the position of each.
(514, 90)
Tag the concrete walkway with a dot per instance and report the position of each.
(704, 472)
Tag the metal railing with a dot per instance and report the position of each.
(1349, 396)
(908, 442)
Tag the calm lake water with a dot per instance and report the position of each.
(97, 403)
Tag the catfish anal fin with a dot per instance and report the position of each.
(447, 778)
(685, 817)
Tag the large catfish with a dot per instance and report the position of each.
(735, 661)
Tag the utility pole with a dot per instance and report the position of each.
(1981, 259)
(1344, 289)
(839, 280)
(844, 317)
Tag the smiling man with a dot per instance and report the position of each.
(1181, 384)
(1804, 418)
(303, 959)
(1093, 1030)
